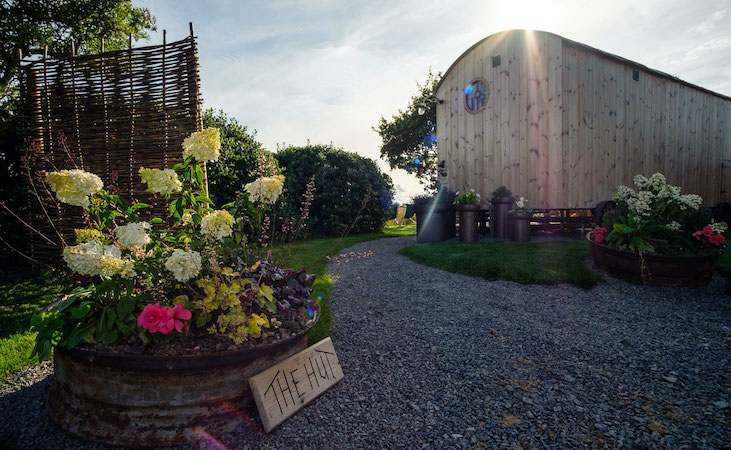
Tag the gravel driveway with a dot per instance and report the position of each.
(440, 360)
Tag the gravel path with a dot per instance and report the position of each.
(437, 360)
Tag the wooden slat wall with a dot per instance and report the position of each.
(564, 126)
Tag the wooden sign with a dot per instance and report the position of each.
(285, 388)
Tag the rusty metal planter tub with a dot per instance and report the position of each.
(151, 401)
(671, 271)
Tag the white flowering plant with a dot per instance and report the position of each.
(144, 280)
(521, 206)
(656, 218)
(468, 197)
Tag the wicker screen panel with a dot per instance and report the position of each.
(118, 111)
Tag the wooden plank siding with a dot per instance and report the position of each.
(564, 124)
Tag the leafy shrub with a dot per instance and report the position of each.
(238, 163)
(444, 196)
(343, 180)
(502, 191)
(468, 197)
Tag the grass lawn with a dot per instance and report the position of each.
(22, 296)
(524, 262)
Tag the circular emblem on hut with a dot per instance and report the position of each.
(475, 95)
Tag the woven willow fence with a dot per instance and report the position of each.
(118, 111)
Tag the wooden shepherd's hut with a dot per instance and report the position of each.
(563, 123)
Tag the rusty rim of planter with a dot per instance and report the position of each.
(653, 256)
(177, 362)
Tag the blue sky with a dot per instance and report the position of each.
(327, 70)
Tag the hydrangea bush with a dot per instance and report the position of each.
(656, 218)
(197, 274)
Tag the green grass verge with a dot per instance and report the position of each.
(524, 262)
(312, 256)
(22, 296)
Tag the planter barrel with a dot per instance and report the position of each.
(152, 401)
(435, 222)
(672, 271)
(499, 216)
(520, 226)
(468, 222)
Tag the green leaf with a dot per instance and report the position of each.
(125, 307)
(81, 311)
(137, 206)
(204, 199)
(618, 227)
(79, 334)
(628, 229)
(111, 317)
(156, 221)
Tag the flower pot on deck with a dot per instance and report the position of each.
(499, 216)
(435, 222)
(468, 222)
(519, 226)
(654, 270)
(150, 401)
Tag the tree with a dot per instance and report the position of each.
(409, 136)
(343, 180)
(239, 160)
(33, 24)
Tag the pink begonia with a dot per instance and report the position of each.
(156, 318)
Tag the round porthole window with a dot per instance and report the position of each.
(475, 95)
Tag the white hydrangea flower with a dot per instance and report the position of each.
(217, 224)
(640, 181)
(656, 182)
(74, 186)
(187, 219)
(163, 181)
(673, 226)
(133, 234)
(110, 266)
(86, 258)
(690, 201)
(184, 264)
(203, 145)
(718, 227)
(623, 193)
(265, 189)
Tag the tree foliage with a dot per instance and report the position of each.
(342, 181)
(239, 160)
(33, 24)
(406, 137)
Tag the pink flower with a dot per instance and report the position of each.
(716, 239)
(707, 231)
(697, 235)
(181, 317)
(598, 237)
(159, 319)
